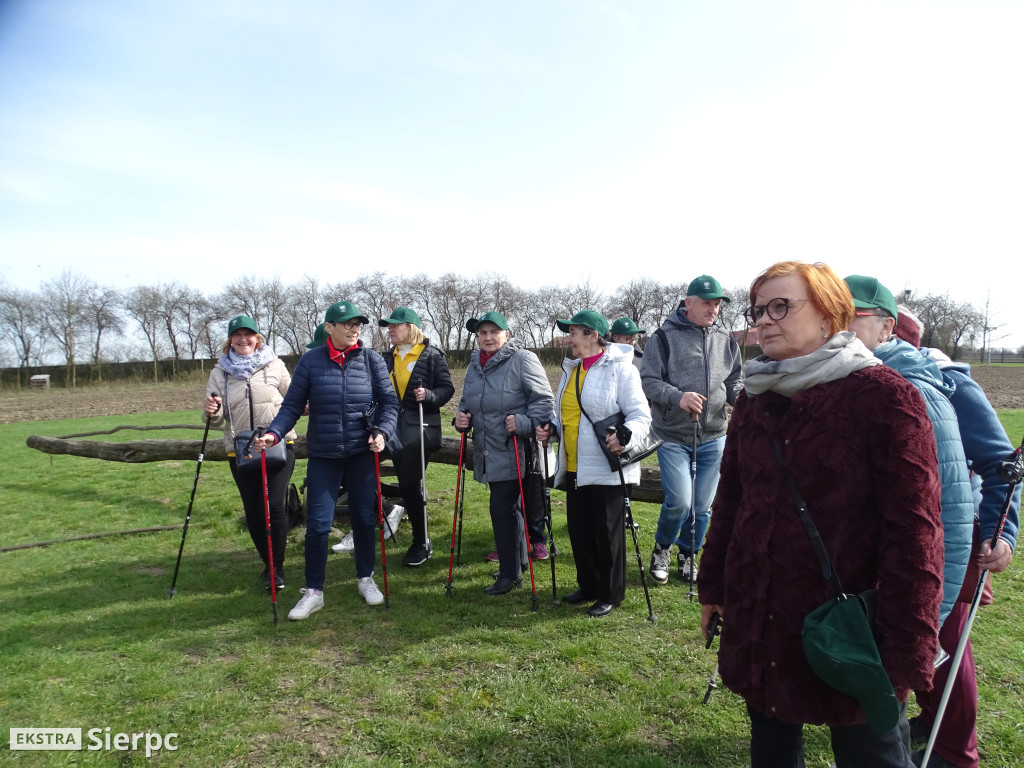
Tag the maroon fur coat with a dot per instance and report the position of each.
(862, 452)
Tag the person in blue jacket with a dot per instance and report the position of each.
(985, 445)
(352, 411)
(874, 320)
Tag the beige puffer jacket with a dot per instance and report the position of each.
(269, 384)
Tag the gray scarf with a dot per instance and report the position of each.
(836, 359)
(244, 366)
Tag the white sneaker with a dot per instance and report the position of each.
(394, 517)
(310, 602)
(346, 544)
(369, 592)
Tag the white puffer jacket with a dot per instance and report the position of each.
(611, 385)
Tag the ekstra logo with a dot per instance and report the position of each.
(49, 739)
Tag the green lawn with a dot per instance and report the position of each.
(89, 638)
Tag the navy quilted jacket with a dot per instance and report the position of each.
(339, 397)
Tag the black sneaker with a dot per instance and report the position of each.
(278, 578)
(417, 554)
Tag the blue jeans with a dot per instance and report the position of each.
(675, 524)
(324, 478)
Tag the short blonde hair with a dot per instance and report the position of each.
(828, 292)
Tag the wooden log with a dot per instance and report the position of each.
(142, 451)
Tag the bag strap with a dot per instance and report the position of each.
(828, 572)
(578, 399)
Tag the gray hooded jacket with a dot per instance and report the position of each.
(703, 360)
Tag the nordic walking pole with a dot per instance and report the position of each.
(628, 512)
(461, 505)
(423, 469)
(693, 505)
(526, 528)
(714, 628)
(380, 520)
(1012, 471)
(553, 551)
(455, 516)
(188, 514)
(266, 514)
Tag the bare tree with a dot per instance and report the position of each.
(144, 305)
(377, 294)
(947, 323)
(21, 325)
(65, 318)
(103, 309)
(302, 313)
(193, 317)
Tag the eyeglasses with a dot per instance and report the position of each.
(776, 309)
(871, 313)
(350, 325)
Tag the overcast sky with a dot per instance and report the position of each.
(195, 140)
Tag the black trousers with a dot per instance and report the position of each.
(250, 488)
(775, 744)
(595, 515)
(409, 473)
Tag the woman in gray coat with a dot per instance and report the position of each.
(506, 393)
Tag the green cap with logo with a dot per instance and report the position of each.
(319, 337)
(487, 317)
(242, 322)
(399, 316)
(706, 287)
(588, 318)
(343, 311)
(868, 293)
(625, 327)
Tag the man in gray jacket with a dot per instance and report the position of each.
(690, 371)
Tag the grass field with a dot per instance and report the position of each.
(89, 638)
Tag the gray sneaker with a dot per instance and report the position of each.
(684, 564)
(660, 559)
(347, 544)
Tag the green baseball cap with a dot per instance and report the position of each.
(706, 287)
(487, 317)
(343, 311)
(401, 315)
(625, 327)
(319, 337)
(588, 318)
(868, 293)
(242, 321)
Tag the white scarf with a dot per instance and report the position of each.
(836, 359)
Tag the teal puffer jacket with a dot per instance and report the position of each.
(957, 498)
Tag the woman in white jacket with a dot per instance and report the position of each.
(600, 382)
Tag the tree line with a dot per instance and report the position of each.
(74, 319)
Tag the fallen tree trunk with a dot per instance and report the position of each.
(142, 451)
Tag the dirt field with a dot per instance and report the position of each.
(1004, 387)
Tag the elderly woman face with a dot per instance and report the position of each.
(344, 335)
(490, 337)
(400, 333)
(790, 325)
(583, 341)
(243, 341)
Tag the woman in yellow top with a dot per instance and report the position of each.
(600, 382)
(421, 380)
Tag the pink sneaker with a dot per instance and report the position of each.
(540, 552)
(493, 557)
